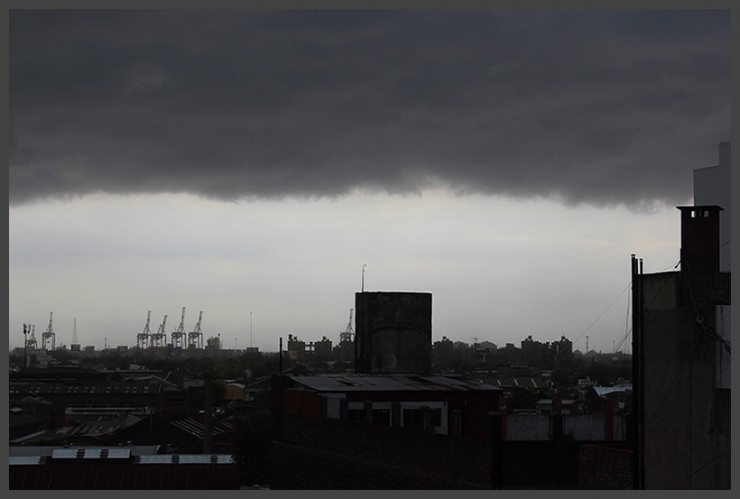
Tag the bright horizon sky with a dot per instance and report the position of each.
(498, 269)
(250, 162)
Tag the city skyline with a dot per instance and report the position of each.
(262, 166)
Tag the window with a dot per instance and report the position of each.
(436, 417)
(412, 418)
(382, 416)
(355, 414)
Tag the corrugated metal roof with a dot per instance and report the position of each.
(126, 387)
(389, 383)
(92, 454)
(156, 459)
(48, 450)
(196, 428)
(529, 382)
(90, 430)
(606, 390)
(24, 460)
(562, 401)
(98, 475)
(119, 453)
(64, 453)
(196, 459)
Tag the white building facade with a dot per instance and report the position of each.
(712, 187)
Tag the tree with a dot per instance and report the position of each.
(218, 392)
(251, 447)
(521, 398)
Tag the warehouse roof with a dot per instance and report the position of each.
(385, 383)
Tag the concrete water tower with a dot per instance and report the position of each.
(393, 332)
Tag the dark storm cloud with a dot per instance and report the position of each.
(600, 107)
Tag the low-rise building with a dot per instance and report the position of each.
(439, 404)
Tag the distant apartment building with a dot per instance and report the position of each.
(316, 351)
(322, 350)
(296, 348)
(442, 352)
(535, 352)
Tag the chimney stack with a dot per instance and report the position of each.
(700, 238)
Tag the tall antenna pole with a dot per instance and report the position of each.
(363, 276)
(250, 329)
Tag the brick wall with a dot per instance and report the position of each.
(319, 453)
(316, 469)
(539, 464)
(605, 467)
(123, 476)
(316, 453)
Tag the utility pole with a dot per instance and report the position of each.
(250, 329)
(638, 396)
(207, 412)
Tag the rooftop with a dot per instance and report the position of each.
(384, 383)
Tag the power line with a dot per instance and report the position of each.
(726, 453)
(602, 313)
(667, 390)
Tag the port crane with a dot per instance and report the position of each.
(349, 333)
(346, 339)
(31, 342)
(48, 336)
(178, 335)
(195, 337)
(142, 339)
(159, 339)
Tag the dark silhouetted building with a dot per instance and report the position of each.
(393, 332)
(683, 411)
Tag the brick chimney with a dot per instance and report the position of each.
(700, 238)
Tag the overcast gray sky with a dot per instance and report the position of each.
(240, 161)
